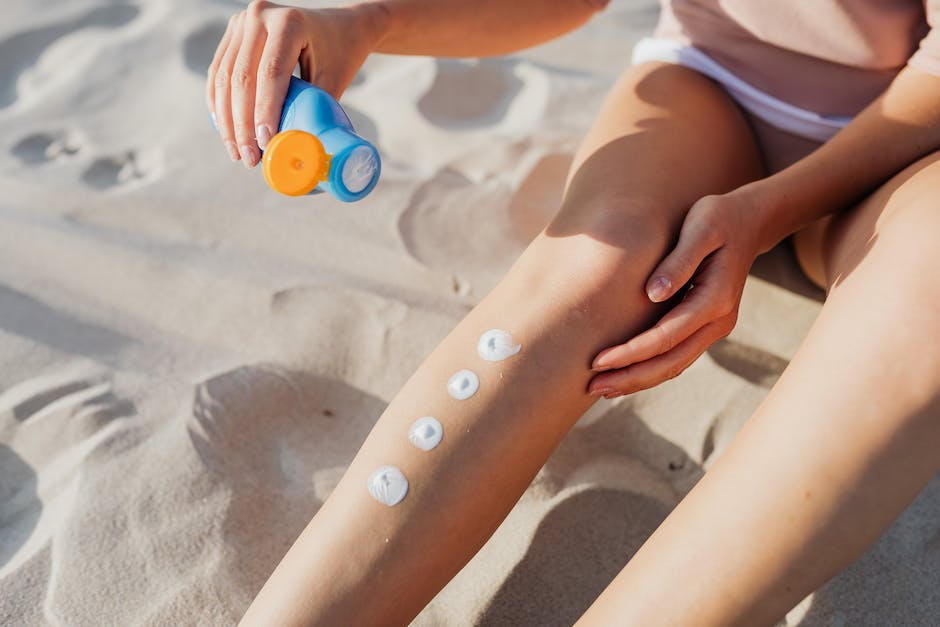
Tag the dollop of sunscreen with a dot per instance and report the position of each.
(497, 345)
(426, 433)
(463, 385)
(388, 485)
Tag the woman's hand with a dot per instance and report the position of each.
(719, 240)
(248, 78)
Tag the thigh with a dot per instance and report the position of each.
(664, 137)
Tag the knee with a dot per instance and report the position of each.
(603, 249)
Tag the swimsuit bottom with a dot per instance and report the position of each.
(774, 111)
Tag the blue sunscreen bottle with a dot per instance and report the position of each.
(316, 148)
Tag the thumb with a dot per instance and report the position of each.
(695, 243)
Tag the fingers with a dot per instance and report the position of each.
(696, 241)
(274, 70)
(214, 66)
(652, 372)
(222, 91)
(696, 311)
(244, 72)
(249, 75)
(710, 299)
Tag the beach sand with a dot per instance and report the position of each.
(188, 360)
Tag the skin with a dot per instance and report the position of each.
(844, 441)
(250, 71)
(599, 244)
(783, 509)
(722, 235)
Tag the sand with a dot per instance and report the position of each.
(188, 361)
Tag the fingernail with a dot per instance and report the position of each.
(232, 150)
(601, 392)
(249, 156)
(212, 118)
(659, 289)
(264, 135)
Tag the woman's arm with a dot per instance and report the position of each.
(723, 234)
(475, 28)
(248, 77)
(899, 127)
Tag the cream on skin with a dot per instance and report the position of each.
(497, 345)
(388, 485)
(463, 385)
(426, 433)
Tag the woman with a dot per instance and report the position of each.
(683, 178)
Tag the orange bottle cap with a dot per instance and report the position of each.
(295, 162)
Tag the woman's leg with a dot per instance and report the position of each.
(665, 137)
(845, 440)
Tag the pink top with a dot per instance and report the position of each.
(829, 56)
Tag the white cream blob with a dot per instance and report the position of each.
(497, 345)
(359, 169)
(388, 485)
(426, 433)
(463, 385)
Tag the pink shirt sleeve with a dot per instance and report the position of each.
(927, 57)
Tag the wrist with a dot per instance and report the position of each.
(765, 216)
(374, 19)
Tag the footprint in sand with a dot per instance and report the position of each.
(467, 94)
(47, 146)
(110, 172)
(19, 504)
(65, 397)
(22, 50)
(247, 462)
(430, 234)
(103, 173)
(278, 441)
(50, 417)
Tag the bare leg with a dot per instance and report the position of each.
(845, 440)
(665, 137)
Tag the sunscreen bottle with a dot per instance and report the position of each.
(316, 148)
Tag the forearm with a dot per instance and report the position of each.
(899, 127)
(473, 28)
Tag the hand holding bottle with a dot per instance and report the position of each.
(250, 73)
